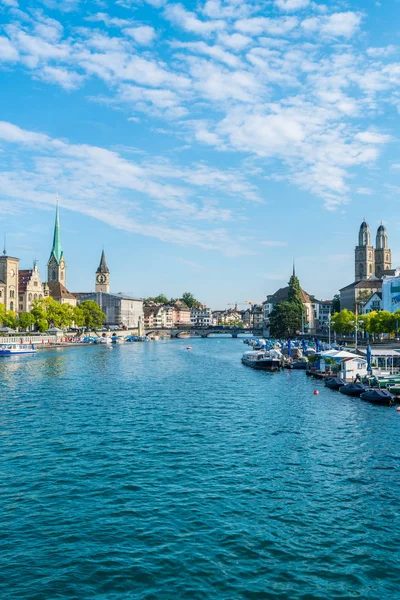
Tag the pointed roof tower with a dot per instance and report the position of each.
(56, 250)
(102, 268)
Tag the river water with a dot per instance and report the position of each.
(152, 472)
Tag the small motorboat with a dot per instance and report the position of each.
(378, 397)
(334, 383)
(353, 389)
(300, 363)
(266, 360)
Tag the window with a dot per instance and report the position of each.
(11, 305)
(35, 283)
(1, 293)
(12, 294)
(35, 297)
(21, 307)
(30, 297)
(62, 275)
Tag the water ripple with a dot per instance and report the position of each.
(153, 473)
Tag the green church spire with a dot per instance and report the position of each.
(56, 251)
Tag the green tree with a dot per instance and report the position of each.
(8, 318)
(285, 319)
(294, 293)
(160, 299)
(93, 316)
(190, 300)
(79, 316)
(336, 304)
(39, 314)
(25, 320)
(343, 322)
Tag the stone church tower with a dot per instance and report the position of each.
(364, 254)
(103, 276)
(9, 281)
(383, 256)
(56, 267)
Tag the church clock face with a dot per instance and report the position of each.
(12, 273)
(101, 278)
(62, 264)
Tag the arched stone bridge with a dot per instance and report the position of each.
(203, 332)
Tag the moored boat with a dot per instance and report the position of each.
(353, 389)
(334, 383)
(12, 349)
(266, 360)
(383, 397)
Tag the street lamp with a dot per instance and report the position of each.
(329, 329)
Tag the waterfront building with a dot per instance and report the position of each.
(246, 317)
(9, 281)
(282, 295)
(103, 275)
(30, 288)
(355, 295)
(123, 311)
(201, 317)
(391, 292)
(158, 315)
(257, 316)
(323, 310)
(57, 269)
(373, 304)
(181, 313)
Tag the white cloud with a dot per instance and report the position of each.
(343, 24)
(259, 25)
(289, 5)
(236, 41)
(370, 137)
(142, 34)
(215, 52)
(109, 187)
(7, 51)
(176, 13)
(66, 79)
(382, 52)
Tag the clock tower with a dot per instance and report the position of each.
(103, 276)
(9, 278)
(56, 267)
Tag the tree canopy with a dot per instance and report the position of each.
(187, 298)
(285, 319)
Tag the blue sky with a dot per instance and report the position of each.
(203, 144)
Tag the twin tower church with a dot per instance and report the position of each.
(370, 261)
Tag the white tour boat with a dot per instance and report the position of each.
(11, 349)
(266, 360)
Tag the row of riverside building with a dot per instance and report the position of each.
(376, 287)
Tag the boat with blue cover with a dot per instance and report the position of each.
(334, 383)
(383, 397)
(353, 389)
